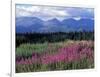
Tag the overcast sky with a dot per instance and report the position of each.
(47, 12)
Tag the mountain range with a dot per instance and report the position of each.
(34, 24)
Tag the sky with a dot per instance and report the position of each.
(50, 12)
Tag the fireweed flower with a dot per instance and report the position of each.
(70, 53)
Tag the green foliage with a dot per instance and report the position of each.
(42, 43)
(52, 37)
(28, 49)
(82, 64)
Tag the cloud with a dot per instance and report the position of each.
(39, 11)
(54, 11)
(47, 12)
(81, 12)
(26, 11)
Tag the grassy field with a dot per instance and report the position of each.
(55, 56)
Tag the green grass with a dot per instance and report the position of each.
(82, 64)
(28, 49)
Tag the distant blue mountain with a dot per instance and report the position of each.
(28, 24)
(34, 24)
(54, 22)
(77, 25)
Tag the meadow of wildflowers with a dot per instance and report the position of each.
(50, 38)
(67, 55)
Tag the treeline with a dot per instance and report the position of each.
(52, 37)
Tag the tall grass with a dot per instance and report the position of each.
(55, 56)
